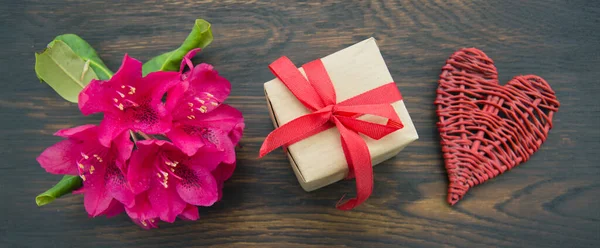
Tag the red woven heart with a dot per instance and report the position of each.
(486, 128)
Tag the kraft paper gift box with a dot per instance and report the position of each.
(319, 159)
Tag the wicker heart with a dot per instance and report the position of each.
(486, 128)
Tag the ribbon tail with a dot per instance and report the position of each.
(359, 165)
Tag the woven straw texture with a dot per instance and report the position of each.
(487, 128)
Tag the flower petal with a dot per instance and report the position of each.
(92, 98)
(78, 191)
(175, 94)
(150, 119)
(114, 208)
(110, 127)
(236, 133)
(221, 141)
(142, 161)
(83, 132)
(186, 141)
(190, 213)
(224, 171)
(224, 117)
(122, 146)
(146, 224)
(142, 212)
(221, 174)
(166, 202)
(159, 82)
(216, 140)
(197, 187)
(117, 186)
(207, 160)
(218, 130)
(204, 78)
(129, 72)
(187, 59)
(96, 199)
(59, 158)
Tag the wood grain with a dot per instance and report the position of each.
(550, 201)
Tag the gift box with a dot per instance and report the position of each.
(319, 160)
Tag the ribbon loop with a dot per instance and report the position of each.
(319, 79)
(318, 95)
(286, 71)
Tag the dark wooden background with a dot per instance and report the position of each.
(550, 201)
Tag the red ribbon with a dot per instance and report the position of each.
(318, 95)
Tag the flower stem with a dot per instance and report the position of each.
(145, 136)
(135, 140)
(103, 68)
(66, 185)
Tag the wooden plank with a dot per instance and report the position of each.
(550, 201)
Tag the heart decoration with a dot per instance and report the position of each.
(487, 128)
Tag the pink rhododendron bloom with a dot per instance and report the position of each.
(129, 101)
(199, 117)
(105, 187)
(166, 181)
(159, 180)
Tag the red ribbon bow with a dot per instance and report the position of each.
(318, 95)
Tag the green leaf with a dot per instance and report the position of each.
(66, 185)
(86, 52)
(200, 37)
(63, 70)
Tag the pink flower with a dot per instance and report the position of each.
(129, 101)
(159, 180)
(105, 187)
(166, 181)
(199, 117)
